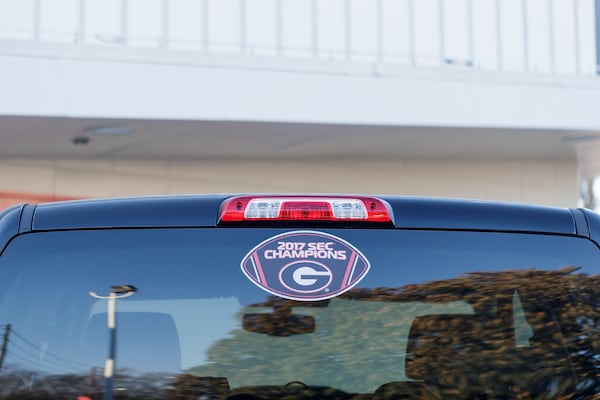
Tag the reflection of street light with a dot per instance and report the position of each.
(117, 292)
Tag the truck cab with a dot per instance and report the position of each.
(298, 297)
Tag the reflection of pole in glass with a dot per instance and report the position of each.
(117, 292)
(4, 344)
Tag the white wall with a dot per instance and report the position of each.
(46, 80)
(528, 36)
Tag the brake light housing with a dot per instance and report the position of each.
(303, 208)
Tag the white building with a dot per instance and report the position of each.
(483, 99)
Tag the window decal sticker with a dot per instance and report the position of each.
(305, 265)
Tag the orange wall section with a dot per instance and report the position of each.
(8, 199)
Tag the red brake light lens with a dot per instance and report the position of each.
(305, 208)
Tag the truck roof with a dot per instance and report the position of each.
(202, 211)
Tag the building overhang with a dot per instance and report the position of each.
(59, 137)
(180, 105)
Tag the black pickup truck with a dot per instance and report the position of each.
(298, 297)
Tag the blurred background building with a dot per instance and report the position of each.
(486, 99)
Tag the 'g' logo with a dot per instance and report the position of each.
(305, 276)
(305, 265)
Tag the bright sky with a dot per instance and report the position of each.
(393, 28)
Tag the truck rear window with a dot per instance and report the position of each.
(420, 314)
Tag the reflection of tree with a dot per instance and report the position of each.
(189, 387)
(16, 383)
(19, 384)
(461, 336)
(26, 384)
(456, 356)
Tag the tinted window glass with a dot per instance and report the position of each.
(446, 314)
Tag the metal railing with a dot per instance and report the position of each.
(525, 36)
